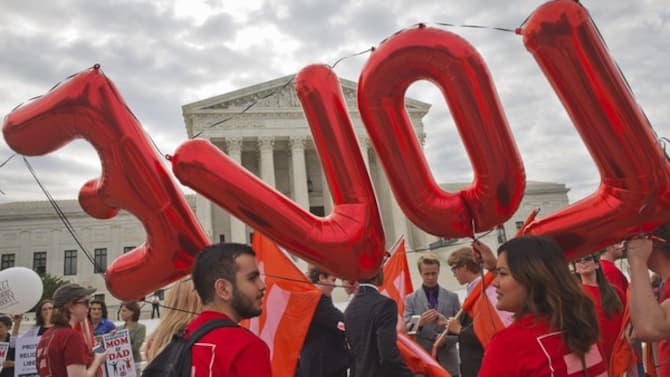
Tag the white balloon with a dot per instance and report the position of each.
(20, 289)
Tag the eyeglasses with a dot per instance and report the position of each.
(456, 267)
(84, 302)
(588, 258)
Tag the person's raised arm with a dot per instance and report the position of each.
(651, 320)
(484, 255)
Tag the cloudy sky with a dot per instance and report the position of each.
(163, 54)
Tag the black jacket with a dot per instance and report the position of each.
(324, 352)
(469, 348)
(371, 321)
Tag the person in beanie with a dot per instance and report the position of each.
(62, 351)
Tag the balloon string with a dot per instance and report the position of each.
(351, 56)
(332, 66)
(470, 26)
(7, 160)
(62, 217)
(278, 277)
(247, 108)
(5, 163)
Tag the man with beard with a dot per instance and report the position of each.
(227, 279)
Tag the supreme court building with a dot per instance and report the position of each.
(263, 128)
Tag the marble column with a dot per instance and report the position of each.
(237, 227)
(327, 199)
(300, 189)
(203, 211)
(266, 148)
(365, 143)
(399, 220)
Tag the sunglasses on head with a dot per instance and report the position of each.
(588, 258)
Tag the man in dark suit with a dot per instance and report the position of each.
(324, 353)
(371, 321)
(434, 304)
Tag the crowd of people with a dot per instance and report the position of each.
(557, 318)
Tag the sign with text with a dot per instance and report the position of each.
(26, 349)
(4, 347)
(120, 362)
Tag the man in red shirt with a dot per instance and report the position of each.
(228, 282)
(612, 272)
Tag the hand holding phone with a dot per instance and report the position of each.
(413, 324)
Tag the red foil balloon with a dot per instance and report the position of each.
(456, 68)
(133, 178)
(350, 242)
(634, 192)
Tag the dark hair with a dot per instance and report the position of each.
(663, 232)
(61, 315)
(539, 265)
(609, 298)
(39, 319)
(134, 307)
(102, 305)
(6, 321)
(314, 273)
(217, 262)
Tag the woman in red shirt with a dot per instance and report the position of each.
(608, 301)
(555, 330)
(62, 350)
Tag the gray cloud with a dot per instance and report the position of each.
(160, 60)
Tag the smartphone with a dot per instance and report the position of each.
(413, 324)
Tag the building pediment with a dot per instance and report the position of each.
(266, 104)
(277, 95)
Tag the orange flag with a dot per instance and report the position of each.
(397, 280)
(397, 285)
(288, 306)
(623, 355)
(485, 320)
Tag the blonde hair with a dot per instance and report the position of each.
(182, 297)
(428, 259)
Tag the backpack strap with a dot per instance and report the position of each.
(207, 327)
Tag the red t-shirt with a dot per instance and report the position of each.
(614, 275)
(609, 327)
(59, 347)
(664, 345)
(228, 351)
(528, 347)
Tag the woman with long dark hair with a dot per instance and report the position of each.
(555, 329)
(608, 300)
(42, 318)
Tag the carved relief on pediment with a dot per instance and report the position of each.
(271, 98)
(279, 97)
